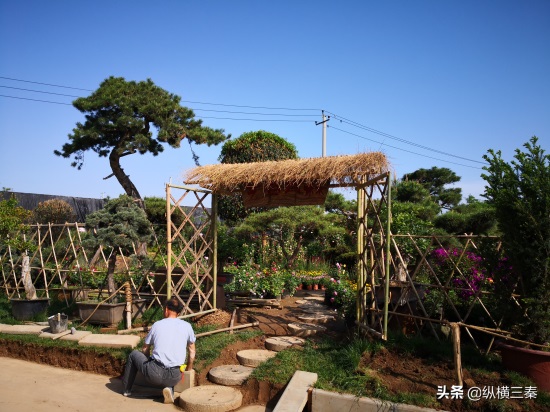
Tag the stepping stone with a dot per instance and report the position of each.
(279, 343)
(315, 298)
(315, 318)
(110, 341)
(78, 336)
(210, 398)
(325, 312)
(300, 301)
(254, 408)
(254, 357)
(49, 335)
(26, 329)
(305, 329)
(313, 307)
(4, 327)
(229, 375)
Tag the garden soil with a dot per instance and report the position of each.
(398, 372)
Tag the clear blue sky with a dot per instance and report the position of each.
(455, 77)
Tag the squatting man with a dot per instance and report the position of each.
(170, 338)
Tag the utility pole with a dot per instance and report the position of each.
(324, 123)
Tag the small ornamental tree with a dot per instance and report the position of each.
(54, 211)
(258, 146)
(520, 193)
(119, 226)
(12, 234)
(292, 228)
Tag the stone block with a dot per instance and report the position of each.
(188, 381)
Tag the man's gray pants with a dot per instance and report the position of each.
(154, 372)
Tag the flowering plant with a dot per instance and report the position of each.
(312, 277)
(341, 293)
(256, 281)
(462, 277)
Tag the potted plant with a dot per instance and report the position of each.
(520, 194)
(117, 227)
(13, 236)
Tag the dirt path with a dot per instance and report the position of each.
(27, 386)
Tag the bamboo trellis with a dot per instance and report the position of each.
(60, 261)
(416, 279)
(191, 271)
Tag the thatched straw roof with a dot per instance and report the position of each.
(319, 171)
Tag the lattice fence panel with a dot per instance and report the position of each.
(60, 262)
(192, 251)
(440, 279)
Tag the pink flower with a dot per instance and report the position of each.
(332, 299)
(335, 293)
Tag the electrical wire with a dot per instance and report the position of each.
(38, 91)
(186, 101)
(35, 100)
(251, 107)
(200, 117)
(404, 150)
(262, 114)
(257, 120)
(378, 132)
(44, 84)
(334, 116)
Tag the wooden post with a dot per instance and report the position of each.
(214, 254)
(128, 292)
(455, 329)
(360, 250)
(232, 321)
(388, 257)
(168, 244)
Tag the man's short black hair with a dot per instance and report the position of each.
(174, 305)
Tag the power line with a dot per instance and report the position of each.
(34, 100)
(200, 117)
(262, 114)
(378, 132)
(404, 150)
(44, 84)
(38, 91)
(257, 120)
(334, 116)
(186, 101)
(251, 107)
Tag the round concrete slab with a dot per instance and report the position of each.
(210, 398)
(279, 343)
(254, 357)
(315, 318)
(229, 375)
(254, 408)
(305, 329)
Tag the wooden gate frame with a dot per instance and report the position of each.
(201, 269)
(373, 249)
